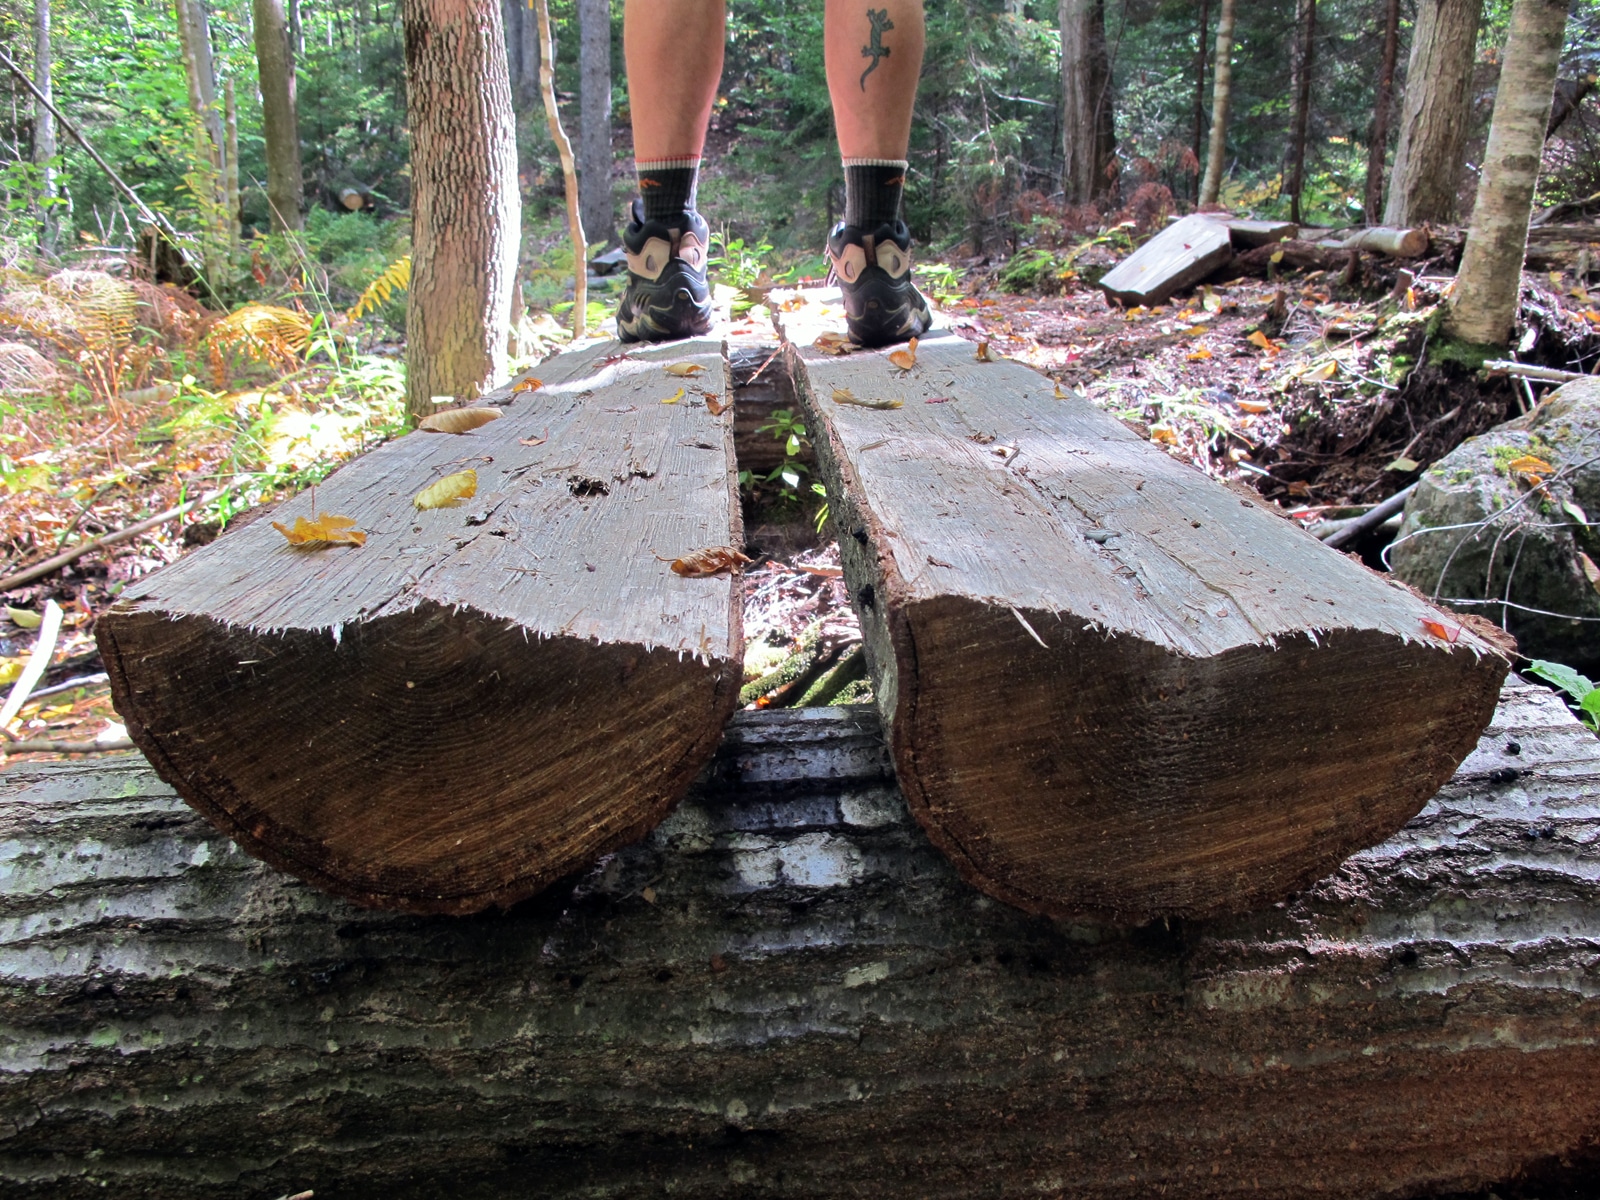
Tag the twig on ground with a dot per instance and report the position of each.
(1504, 366)
(38, 663)
(49, 746)
(1353, 528)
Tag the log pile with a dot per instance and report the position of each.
(785, 991)
(1114, 688)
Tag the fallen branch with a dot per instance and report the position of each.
(66, 685)
(50, 565)
(38, 663)
(1504, 366)
(47, 746)
(1346, 531)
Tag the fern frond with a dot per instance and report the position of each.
(264, 331)
(396, 277)
(104, 309)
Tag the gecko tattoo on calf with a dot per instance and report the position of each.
(876, 50)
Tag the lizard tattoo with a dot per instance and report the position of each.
(876, 51)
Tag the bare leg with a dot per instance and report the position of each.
(674, 54)
(873, 52)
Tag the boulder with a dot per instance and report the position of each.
(1490, 532)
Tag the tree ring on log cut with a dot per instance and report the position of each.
(1211, 786)
(407, 703)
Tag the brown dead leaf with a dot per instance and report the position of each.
(907, 358)
(459, 420)
(983, 352)
(700, 564)
(684, 369)
(326, 530)
(538, 441)
(1254, 406)
(1527, 464)
(462, 485)
(715, 406)
(832, 343)
(528, 385)
(1164, 433)
(1199, 355)
(1264, 342)
(846, 396)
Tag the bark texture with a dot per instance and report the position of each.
(279, 120)
(1221, 98)
(594, 122)
(1114, 688)
(1483, 307)
(482, 697)
(785, 991)
(44, 124)
(1378, 142)
(465, 208)
(1089, 137)
(1425, 178)
(1302, 61)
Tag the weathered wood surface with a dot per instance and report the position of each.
(1180, 256)
(1114, 687)
(785, 991)
(484, 697)
(1249, 234)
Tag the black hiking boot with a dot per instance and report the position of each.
(667, 296)
(873, 270)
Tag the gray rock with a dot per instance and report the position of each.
(1522, 548)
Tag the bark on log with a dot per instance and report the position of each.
(1397, 243)
(784, 991)
(1290, 255)
(1114, 688)
(1433, 117)
(482, 698)
(1180, 256)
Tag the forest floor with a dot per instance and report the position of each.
(1308, 393)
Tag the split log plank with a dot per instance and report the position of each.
(1180, 256)
(1250, 234)
(1116, 689)
(483, 697)
(784, 991)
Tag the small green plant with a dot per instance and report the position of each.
(788, 428)
(738, 266)
(940, 281)
(1584, 695)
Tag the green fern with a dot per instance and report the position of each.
(396, 277)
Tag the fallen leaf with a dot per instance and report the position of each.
(1164, 433)
(683, 369)
(907, 358)
(1411, 299)
(715, 406)
(1060, 395)
(675, 397)
(326, 530)
(11, 670)
(1254, 406)
(846, 396)
(714, 560)
(792, 304)
(459, 420)
(1574, 511)
(460, 486)
(1264, 342)
(1445, 633)
(1590, 571)
(1403, 465)
(528, 385)
(1527, 464)
(538, 441)
(1200, 355)
(1210, 301)
(1323, 373)
(648, 895)
(832, 343)
(983, 352)
(24, 618)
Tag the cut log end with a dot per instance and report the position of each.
(450, 763)
(1108, 779)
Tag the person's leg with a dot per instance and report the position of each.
(673, 50)
(873, 53)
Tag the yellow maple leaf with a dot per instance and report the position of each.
(326, 530)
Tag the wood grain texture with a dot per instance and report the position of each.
(1180, 256)
(807, 1003)
(1247, 235)
(483, 697)
(1115, 688)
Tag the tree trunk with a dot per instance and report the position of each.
(1221, 97)
(482, 698)
(1570, 94)
(1301, 63)
(785, 992)
(280, 123)
(569, 170)
(1202, 48)
(594, 122)
(1089, 138)
(1483, 307)
(230, 173)
(44, 126)
(465, 208)
(1378, 143)
(522, 54)
(1424, 182)
(1115, 690)
(194, 38)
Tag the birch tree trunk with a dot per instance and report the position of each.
(594, 121)
(1200, 90)
(1221, 96)
(465, 209)
(1088, 135)
(44, 125)
(1301, 62)
(569, 171)
(1433, 122)
(279, 120)
(194, 37)
(1483, 306)
(1378, 143)
(230, 169)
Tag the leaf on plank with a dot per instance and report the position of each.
(462, 485)
(460, 420)
(715, 406)
(684, 369)
(538, 441)
(1445, 633)
(713, 560)
(846, 396)
(326, 530)
(832, 343)
(675, 397)
(907, 358)
(528, 385)
(983, 352)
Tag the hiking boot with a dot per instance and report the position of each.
(667, 296)
(873, 270)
